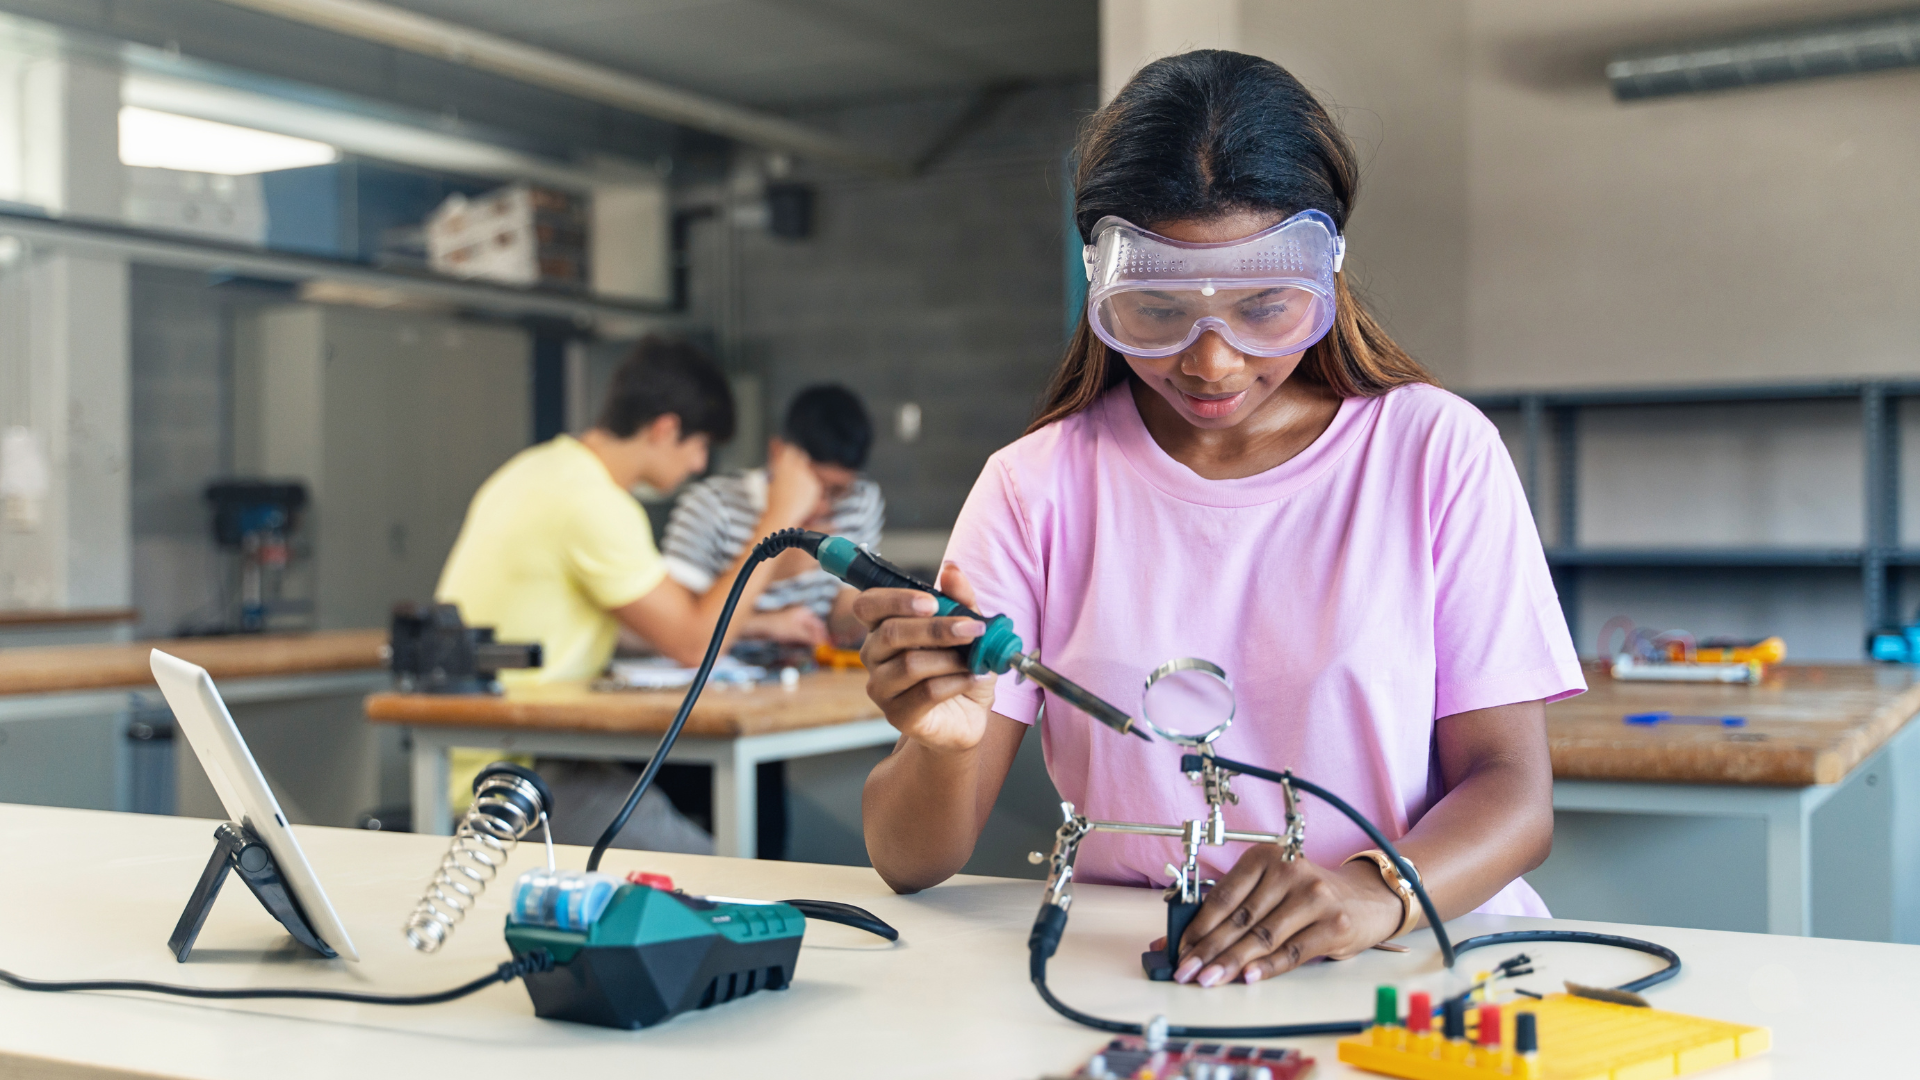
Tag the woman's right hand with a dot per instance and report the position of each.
(916, 667)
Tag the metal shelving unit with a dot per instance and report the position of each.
(1554, 416)
(88, 236)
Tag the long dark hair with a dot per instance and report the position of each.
(1207, 133)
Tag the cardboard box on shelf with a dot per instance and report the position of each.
(521, 234)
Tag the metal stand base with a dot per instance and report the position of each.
(238, 850)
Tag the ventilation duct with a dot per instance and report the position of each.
(1851, 47)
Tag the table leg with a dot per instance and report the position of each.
(1790, 862)
(736, 807)
(431, 775)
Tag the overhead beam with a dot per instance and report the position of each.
(1809, 51)
(483, 51)
(108, 238)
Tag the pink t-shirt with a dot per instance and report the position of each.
(1387, 576)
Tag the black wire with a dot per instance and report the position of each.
(1052, 922)
(1407, 872)
(846, 915)
(529, 963)
(1353, 1027)
(762, 551)
(1282, 1031)
(1587, 937)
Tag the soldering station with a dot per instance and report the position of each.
(633, 951)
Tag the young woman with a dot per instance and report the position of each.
(1235, 463)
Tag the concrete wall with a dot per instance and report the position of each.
(1754, 235)
(945, 290)
(182, 440)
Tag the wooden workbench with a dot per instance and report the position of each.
(731, 730)
(1639, 804)
(67, 711)
(820, 699)
(58, 668)
(1805, 724)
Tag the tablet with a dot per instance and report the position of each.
(202, 717)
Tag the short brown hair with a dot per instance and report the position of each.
(662, 376)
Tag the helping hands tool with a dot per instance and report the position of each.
(999, 650)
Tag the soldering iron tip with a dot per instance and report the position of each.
(1139, 732)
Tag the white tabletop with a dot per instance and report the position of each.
(94, 895)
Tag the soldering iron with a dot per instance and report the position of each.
(998, 650)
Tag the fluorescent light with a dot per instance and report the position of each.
(159, 140)
(414, 142)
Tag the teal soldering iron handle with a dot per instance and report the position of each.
(996, 649)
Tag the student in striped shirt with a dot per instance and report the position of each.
(715, 520)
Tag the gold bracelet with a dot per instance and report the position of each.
(1409, 905)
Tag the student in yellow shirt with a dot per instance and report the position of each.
(556, 549)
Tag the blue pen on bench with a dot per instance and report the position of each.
(1649, 719)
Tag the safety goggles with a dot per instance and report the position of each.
(1269, 294)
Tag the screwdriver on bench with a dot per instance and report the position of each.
(998, 650)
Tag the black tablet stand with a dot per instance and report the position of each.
(236, 848)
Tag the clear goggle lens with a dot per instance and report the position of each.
(1275, 320)
(1269, 294)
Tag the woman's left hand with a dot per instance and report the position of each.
(1270, 916)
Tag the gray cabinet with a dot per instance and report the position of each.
(393, 420)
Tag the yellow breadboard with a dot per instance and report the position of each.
(1580, 1039)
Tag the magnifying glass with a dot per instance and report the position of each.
(1191, 693)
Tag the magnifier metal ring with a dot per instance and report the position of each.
(1204, 667)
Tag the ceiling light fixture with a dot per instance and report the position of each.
(159, 140)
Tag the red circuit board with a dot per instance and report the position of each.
(1127, 1058)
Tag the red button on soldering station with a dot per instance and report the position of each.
(1419, 1013)
(1489, 1025)
(655, 881)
